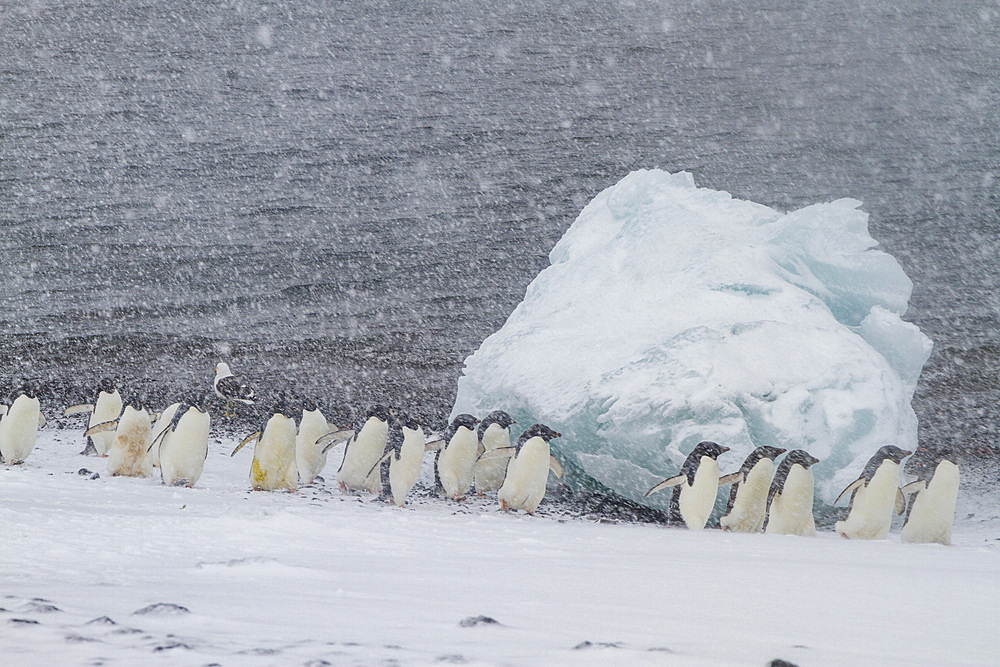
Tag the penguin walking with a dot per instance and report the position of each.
(790, 500)
(273, 467)
(697, 485)
(932, 512)
(310, 453)
(400, 465)
(358, 470)
(128, 455)
(456, 463)
(107, 407)
(163, 421)
(523, 487)
(873, 496)
(183, 444)
(494, 433)
(19, 425)
(748, 494)
(231, 388)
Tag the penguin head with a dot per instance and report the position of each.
(309, 405)
(379, 412)
(710, 449)
(466, 420)
(107, 385)
(199, 400)
(892, 453)
(925, 460)
(761, 453)
(802, 457)
(23, 387)
(538, 430)
(406, 421)
(498, 417)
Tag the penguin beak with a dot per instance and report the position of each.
(725, 449)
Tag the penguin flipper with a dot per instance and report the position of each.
(103, 427)
(41, 419)
(900, 501)
(673, 481)
(77, 409)
(379, 462)
(499, 453)
(555, 466)
(253, 436)
(334, 438)
(160, 437)
(434, 443)
(913, 487)
(856, 484)
(731, 478)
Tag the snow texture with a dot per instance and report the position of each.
(122, 571)
(672, 314)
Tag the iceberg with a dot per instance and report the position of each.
(672, 314)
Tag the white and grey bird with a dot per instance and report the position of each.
(527, 471)
(456, 462)
(310, 452)
(273, 467)
(363, 451)
(748, 494)
(790, 500)
(697, 485)
(162, 421)
(404, 454)
(931, 513)
(494, 433)
(874, 495)
(128, 456)
(106, 408)
(231, 388)
(183, 444)
(19, 424)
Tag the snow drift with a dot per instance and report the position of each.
(672, 314)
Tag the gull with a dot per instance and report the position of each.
(232, 388)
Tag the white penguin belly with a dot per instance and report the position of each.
(490, 472)
(791, 509)
(747, 513)
(405, 470)
(871, 512)
(19, 429)
(128, 457)
(696, 501)
(309, 457)
(933, 512)
(162, 422)
(107, 408)
(456, 465)
(182, 453)
(362, 454)
(273, 465)
(528, 472)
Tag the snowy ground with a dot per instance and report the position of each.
(114, 571)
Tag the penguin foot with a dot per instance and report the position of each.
(503, 506)
(343, 487)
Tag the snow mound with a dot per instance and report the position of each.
(672, 314)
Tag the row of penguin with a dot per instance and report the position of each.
(384, 454)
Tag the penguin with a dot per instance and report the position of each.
(523, 487)
(132, 436)
(310, 454)
(456, 463)
(400, 465)
(494, 433)
(231, 388)
(363, 452)
(273, 466)
(697, 485)
(873, 496)
(790, 500)
(183, 444)
(163, 421)
(107, 407)
(932, 512)
(19, 425)
(748, 494)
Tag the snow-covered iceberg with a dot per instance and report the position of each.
(672, 314)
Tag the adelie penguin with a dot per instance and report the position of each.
(697, 485)
(932, 511)
(163, 421)
(357, 470)
(107, 407)
(494, 433)
(273, 466)
(748, 494)
(19, 424)
(183, 443)
(873, 496)
(310, 452)
(790, 500)
(456, 463)
(527, 475)
(128, 456)
(404, 454)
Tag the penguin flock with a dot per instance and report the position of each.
(384, 453)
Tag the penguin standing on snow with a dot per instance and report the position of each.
(128, 455)
(107, 407)
(183, 444)
(932, 511)
(748, 494)
(494, 433)
(697, 485)
(273, 467)
(873, 496)
(357, 470)
(163, 421)
(404, 454)
(456, 463)
(310, 453)
(790, 500)
(19, 425)
(528, 471)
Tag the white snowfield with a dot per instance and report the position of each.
(127, 571)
